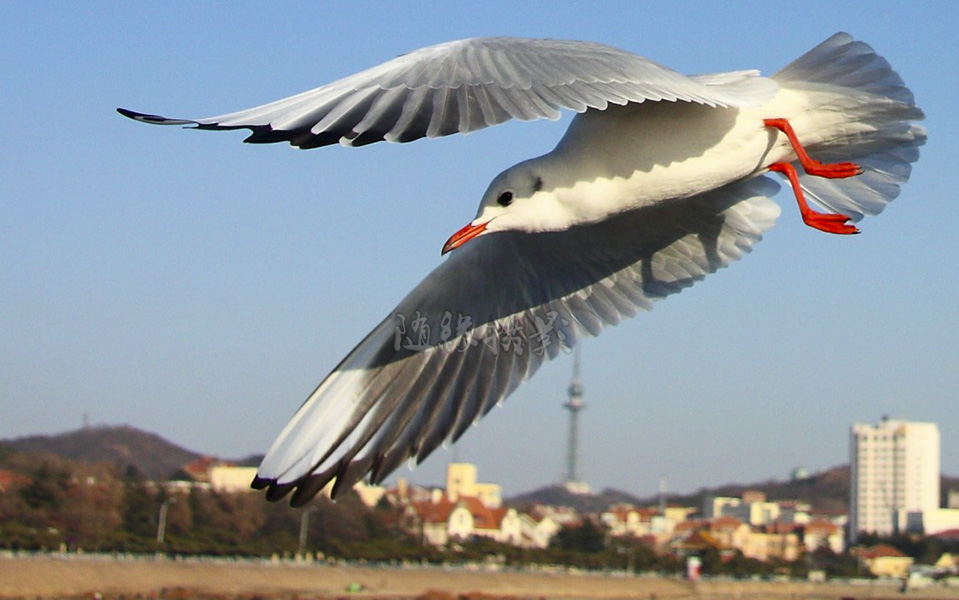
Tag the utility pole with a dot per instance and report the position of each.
(161, 519)
(305, 526)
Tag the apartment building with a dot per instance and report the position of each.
(894, 472)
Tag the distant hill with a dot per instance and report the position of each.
(827, 492)
(121, 445)
(252, 460)
(157, 458)
(558, 495)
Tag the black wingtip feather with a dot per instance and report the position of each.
(277, 491)
(128, 113)
(153, 119)
(307, 489)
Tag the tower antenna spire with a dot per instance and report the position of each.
(574, 405)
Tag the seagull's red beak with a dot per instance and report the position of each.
(463, 235)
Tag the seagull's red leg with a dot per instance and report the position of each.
(813, 167)
(830, 223)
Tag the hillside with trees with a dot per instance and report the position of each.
(104, 489)
(122, 446)
(53, 503)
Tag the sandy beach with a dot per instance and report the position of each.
(48, 577)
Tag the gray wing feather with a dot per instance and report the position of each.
(497, 309)
(463, 86)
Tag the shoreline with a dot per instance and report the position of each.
(70, 575)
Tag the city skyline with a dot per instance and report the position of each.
(660, 497)
(184, 282)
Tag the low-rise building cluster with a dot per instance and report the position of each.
(467, 509)
(749, 524)
(894, 490)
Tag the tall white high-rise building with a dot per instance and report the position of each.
(895, 471)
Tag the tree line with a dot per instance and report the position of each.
(56, 504)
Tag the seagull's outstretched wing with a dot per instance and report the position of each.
(487, 318)
(463, 86)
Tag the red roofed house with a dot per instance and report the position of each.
(727, 533)
(820, 533)
(948, 534)
(443, 520)
(199, 469)
(776, 540)
(466, 509)
(626, 519)
(885, 561)
(538, 530)
(10, 480)
(695, 542)
(730, 532)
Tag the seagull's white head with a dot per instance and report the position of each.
(518, 199)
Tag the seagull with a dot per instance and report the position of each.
(660, 179)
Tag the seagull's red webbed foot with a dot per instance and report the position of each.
(813, 167)
(830, 223)
(833, 170)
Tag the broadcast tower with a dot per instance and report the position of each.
(574, 405)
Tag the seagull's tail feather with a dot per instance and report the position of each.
(872, 110)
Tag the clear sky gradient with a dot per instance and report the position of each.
(185, 283)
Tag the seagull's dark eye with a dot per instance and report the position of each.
(506, 198)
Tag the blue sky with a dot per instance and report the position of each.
(188, 284)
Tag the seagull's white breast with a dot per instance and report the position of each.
(630, 156)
